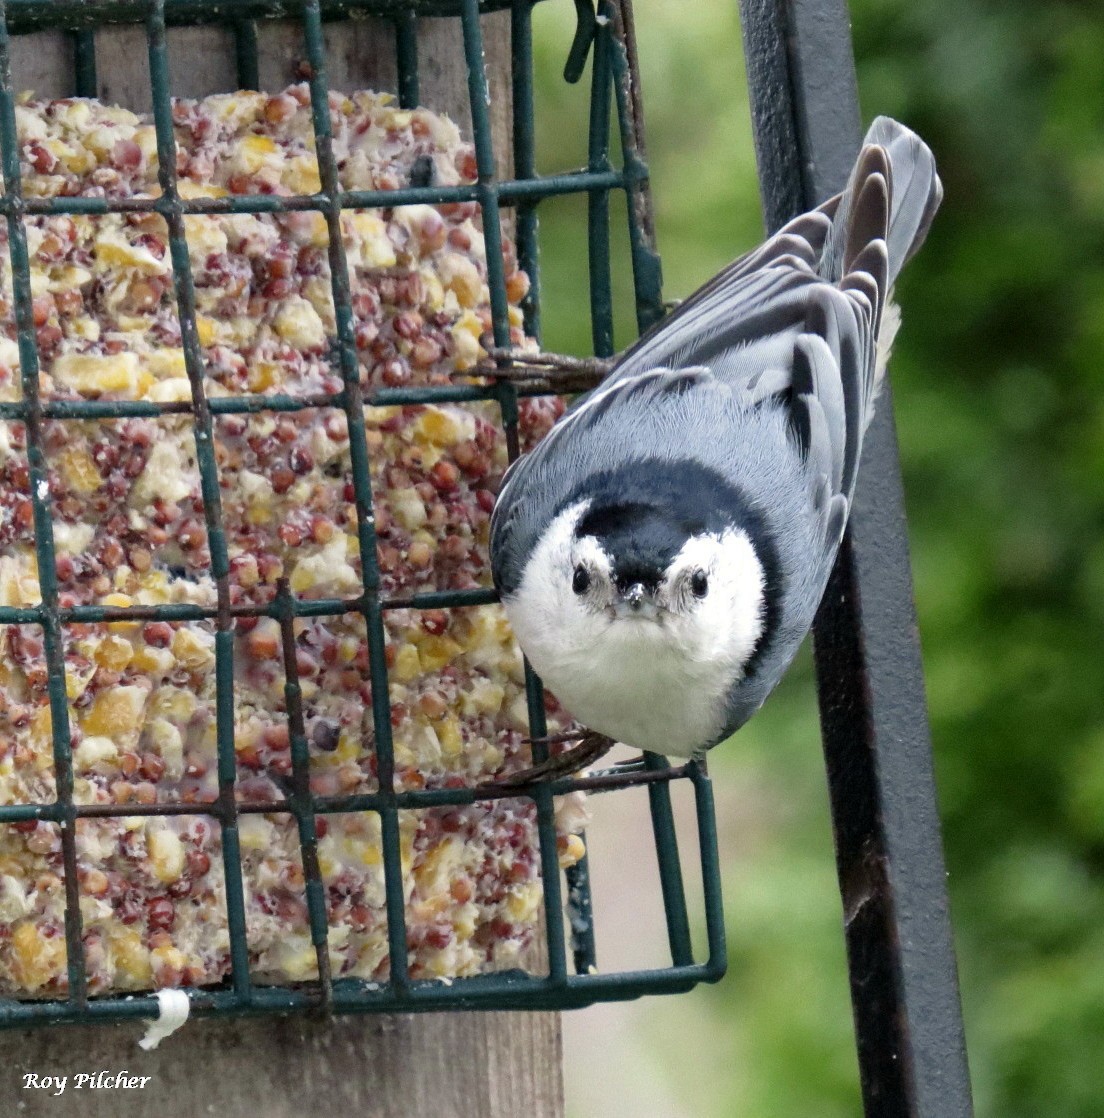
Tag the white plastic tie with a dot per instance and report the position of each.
(172, 1011)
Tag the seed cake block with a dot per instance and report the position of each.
(130, 528)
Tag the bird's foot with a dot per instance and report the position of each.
(630, 765)
(589, 748)
(556, 372)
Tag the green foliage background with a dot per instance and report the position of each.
(998, 376)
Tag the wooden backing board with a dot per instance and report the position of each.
(463, 1065)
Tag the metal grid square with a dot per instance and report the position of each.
(613, 86)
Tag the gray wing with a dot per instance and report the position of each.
(775, 335)
(792, 325)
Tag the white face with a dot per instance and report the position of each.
(648, 666)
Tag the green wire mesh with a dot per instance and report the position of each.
(613, 85)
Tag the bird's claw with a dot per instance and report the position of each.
(590, 748)
(554, 371)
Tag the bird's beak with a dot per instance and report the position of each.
(636, 602)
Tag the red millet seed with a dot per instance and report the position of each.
(198, 863)
(277, 738)
(158, 633)
(282, 479)
(394, 373)
(426, 352)
(434, 621)
(322, 529)
(407, 324)
(153, 767)
(42, 160)
(365, 334)
(160, 914)
(263, 644)
(301, 460)
(280, 108)
(112, 555)
(42, 308)
(290, 535)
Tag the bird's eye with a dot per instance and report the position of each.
(699, 584)
(580, 580)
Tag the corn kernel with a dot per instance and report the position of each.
(408, 509)
(298, 323)
(114, 653)
(263, 375)
(301, 176)
(193, 649)
(168, 958)
(36, 959)
(176, 390)
(205, 235)
(573, 850)
(169, 742)
(166, 853)
(207, 329)
(370, 854)
(443, 427)
(132, 957)
(165, 363)
(462, 278)
(78, 469)
(93, 372)
(173, 703)
(407, 665)
(188, 189)
(76, 682)
(115, 713)
(153, 661)
(120, 601)
(146, 138)
(466, 349)
(253, 152)
(42, 726)
(92, 751)
(255, 832)
(486, 696)
(436, 652)
(298, 960)
(522, 903)
(69, 278)
(450, 737)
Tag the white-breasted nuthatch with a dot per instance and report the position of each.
(662, 552)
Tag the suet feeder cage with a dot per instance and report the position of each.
(571, 977)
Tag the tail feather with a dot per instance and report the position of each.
(907, 165)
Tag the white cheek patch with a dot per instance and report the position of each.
(544, 611)
(727, 623)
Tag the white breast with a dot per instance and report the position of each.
(635, 685)
(660, 685)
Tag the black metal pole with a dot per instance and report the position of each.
(877, 745)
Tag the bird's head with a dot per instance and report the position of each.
(655, 586)
(648, 572)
